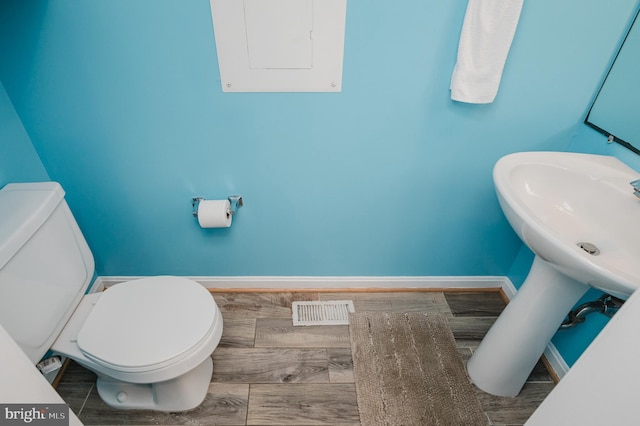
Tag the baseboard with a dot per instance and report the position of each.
(302, 282)
(509, 289)
(555, 362)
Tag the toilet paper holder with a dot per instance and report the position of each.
(235, 201)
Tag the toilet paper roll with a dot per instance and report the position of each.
(214, 214)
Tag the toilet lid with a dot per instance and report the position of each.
(142, 323)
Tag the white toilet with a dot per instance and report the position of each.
(149, 340)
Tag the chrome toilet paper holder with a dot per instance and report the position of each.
(235, 202)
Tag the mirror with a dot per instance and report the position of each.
(614, 111)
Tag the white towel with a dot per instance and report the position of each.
(487, 33)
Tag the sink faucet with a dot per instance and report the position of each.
(636, 187)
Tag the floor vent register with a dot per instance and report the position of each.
(330, 312)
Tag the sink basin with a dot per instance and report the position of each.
(557, 201)
(578, 214)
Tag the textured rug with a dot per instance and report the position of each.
(408, 371)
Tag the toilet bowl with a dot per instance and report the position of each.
(148, 340)
(140, 337)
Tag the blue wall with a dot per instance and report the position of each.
(389, 177)
(19, 162)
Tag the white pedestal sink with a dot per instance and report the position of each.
(555, 202)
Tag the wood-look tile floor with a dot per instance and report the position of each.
(267, 372)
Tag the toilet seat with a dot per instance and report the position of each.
(147, 324)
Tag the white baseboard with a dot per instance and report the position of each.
(555, 360)
(509, 289)
(302, 282)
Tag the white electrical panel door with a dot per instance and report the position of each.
(277, 40)
(279, 45)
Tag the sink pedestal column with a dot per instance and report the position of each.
(512, 347)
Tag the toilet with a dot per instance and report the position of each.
(148, 340)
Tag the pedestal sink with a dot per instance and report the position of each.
(578, 214)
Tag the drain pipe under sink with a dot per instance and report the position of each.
(605, 304)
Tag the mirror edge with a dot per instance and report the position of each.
(611, 137)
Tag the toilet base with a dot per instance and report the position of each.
(183, 393)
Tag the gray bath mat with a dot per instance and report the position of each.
(408, 371)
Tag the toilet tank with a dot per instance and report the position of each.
(45, 264)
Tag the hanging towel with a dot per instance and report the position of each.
(487, 32)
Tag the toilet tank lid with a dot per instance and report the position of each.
(24, 207)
